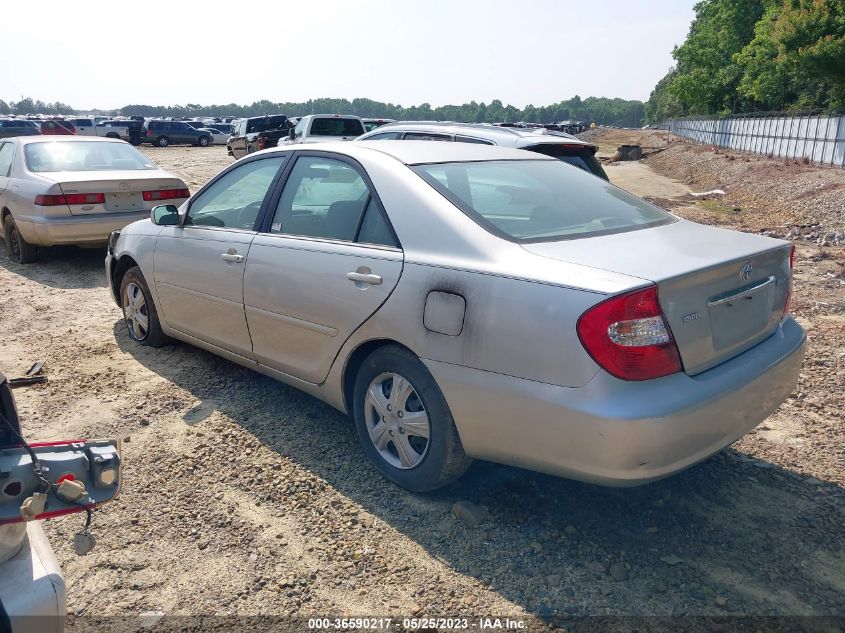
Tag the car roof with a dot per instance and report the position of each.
(419, 152)
(66, 139)
(515, 137)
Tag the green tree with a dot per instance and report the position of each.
(797, 57)
(706, 76)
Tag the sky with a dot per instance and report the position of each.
(406, 52)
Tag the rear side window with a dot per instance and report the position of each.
(7, 151)
(426, 136)
(336, 127)
(329, 199)
(469, 139)
(539, 200)
(374, 227)
(384, 136)
(322, 198)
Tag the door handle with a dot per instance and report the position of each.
(364, 278)
(232, 257)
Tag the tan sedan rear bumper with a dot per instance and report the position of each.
(84, 230)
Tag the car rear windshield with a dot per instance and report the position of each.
(266, 123)
(84, 156)
(583, 157)
(540, 200)
(336, 127)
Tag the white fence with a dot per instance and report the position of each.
(819, 137)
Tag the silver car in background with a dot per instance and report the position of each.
(464, 301)
(72, 190)
(564, 147)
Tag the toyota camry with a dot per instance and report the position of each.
(462, 301)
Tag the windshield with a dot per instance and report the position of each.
(336, 127)
(542, 200)
(84, 156)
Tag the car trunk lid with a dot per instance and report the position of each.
(123, 190)
(721, 291)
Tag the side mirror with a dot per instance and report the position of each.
(291, 134)
(165, 215)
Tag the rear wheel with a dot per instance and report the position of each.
(203, 141)
(112, 135)
(404, 422)
(139, 311)
(18, 249)
(162, 141)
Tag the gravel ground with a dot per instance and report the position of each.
(246, 497)
(784, 197)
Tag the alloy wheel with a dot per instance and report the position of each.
(136, 312)
(397, 420)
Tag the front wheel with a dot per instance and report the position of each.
(18, 249)
(404, 422)
(162, 141)
(203, 141)
(139, 311)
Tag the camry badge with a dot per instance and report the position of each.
(746, 272)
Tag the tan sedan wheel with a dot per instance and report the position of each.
(19, 249)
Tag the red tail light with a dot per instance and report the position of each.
(260, 142)
(85, 198)
(166, 194)
(789, 287)
(150, 133)
(50, 201)
(628, 336)
(71, 198)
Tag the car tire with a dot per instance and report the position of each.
(250, 149)
(18, 249)
(431, 462)
(112, 135)
(162, 141)
(203, 141)
(139, 311)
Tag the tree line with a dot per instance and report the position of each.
(34, 106)
(600, 110)
(744, 56)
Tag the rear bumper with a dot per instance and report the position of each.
(619, 433)
(32, 587)
(86, 230)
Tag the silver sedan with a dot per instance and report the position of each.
(463, 301)
(75, 190)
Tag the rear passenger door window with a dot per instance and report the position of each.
(323, 198)
(469, 139)
(384, 136)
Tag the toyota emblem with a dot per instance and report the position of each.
(124, 186)
(746, 272)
